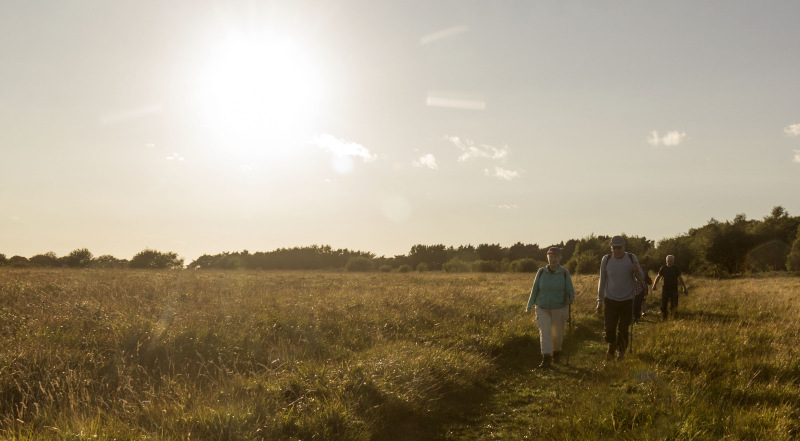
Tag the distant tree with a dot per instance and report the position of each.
(586, 255)
(523, 251)
(203, 262)
(434, 256)
(773, 238)
(79, 258)
(486, 266)
(152, 259)
(465, 253)
(491, 252)
(728, 248)
(109, 261)
(359, 264)
(48, 259)
(19, 262)
(638, 245)
(584, 263)
(793, 259)
(3, 260)
(526, 265)
(456, 266)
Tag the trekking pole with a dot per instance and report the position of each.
(569, 334)
(633, 312)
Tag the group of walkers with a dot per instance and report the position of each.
(621, 293)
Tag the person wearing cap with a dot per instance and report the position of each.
(615, 293)
(551, 295)
(669, 293)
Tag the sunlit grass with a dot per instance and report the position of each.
(103, 354)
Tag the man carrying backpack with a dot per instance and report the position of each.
(669, 294)
(615, 292)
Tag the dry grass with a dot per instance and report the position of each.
(300, 355)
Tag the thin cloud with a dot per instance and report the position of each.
(428, 161)
(792, 130)
(797, 156)
(672, 138)
(341, 147)
(456, 100)
(470, 150)
(506, 206)
(441, 35)
(501, 173)
(175, 157)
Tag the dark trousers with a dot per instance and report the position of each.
(618, 315)
(669, 298)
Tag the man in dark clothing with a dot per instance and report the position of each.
(615, 292)
(669, 295)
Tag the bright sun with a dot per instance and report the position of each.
(259, 92)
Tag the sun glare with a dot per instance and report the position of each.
(259, 93)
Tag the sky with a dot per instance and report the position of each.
(200, 127)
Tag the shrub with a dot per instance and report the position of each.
(385, 268)
(456, 266)
(48, 259)
(422, 267)
(359, 264)
(486, 266)
(526, 265)
(404, 269)
(793, 259)
(109, 261)
(19, 262)
(79, 258)
(584, 263)
(153, 259)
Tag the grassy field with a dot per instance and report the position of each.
(123, 354)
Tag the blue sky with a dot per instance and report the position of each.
(202, 127)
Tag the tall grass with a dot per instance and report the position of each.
(310, 355)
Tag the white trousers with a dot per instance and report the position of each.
(551, 324)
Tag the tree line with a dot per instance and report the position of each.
(719, 249)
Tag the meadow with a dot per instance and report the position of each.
(249, 355)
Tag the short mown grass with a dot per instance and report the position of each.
(125, 354)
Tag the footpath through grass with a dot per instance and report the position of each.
(120, 354)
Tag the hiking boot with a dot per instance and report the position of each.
(547, 361)
(611, 352)
(556, 357)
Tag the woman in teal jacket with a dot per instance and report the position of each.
(551, 295)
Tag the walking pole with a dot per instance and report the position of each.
(569, 334)
(633, 311)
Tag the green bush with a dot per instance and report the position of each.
(422, 267)
(456, 266)
(486, 266)
(584, 263)
(359, 264)
(526, 265)
(152, 259)
(405, 268)
(385, 268)
(793, 259)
